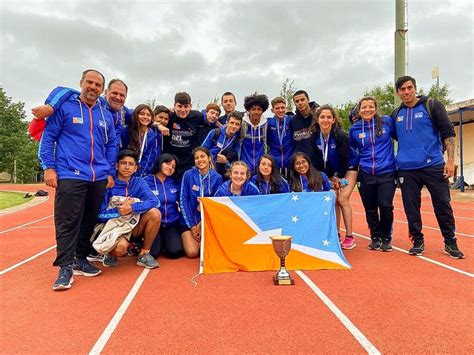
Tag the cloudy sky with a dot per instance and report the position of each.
(333, 49)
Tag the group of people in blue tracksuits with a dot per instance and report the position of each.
(94, 150)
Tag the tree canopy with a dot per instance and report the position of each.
(17, 149)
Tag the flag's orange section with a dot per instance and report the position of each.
(225, 250)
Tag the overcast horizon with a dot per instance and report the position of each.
(333, 49)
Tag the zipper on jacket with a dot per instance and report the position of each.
(92, 141)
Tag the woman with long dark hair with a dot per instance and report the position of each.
(140, 137)
(164, 185)
(268, 179)
(304, 177)
(200, 181)
(371, 139)
(331, 156)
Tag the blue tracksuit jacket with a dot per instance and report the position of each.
(195, 185)
(373, 154)
(167, 193)
(280, 140)
(135, 187)
(248, 189)
(79, 141)
(151, 151)
(420, 136)
(121, 117)
(265, 188)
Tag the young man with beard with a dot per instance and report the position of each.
(78, 154)
(300, 123)
(114, 101)
(424, 131)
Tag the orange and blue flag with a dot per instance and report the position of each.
(237, 230)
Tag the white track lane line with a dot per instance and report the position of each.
(423, 226)
(423, 258)
(25, 224)
(422, 212)
(108, 331)
(356, 333)
(4, 271)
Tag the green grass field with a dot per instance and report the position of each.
(9, 199)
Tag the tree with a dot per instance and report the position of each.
(441, 93)
(17, 149)
(384, 95)
(287, 91)
(343, 111)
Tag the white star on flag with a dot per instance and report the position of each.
(294, 198)
(327, 198)
(326, 242)
(294, 219)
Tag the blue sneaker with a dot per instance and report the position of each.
(85, 268)
(109, 261)
(148, 261)
(65, 279)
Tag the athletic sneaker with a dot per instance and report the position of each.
(451, 248)
(418, 248)
(375, 244)
(95, 258)
(109, 261)
(146, 260)
(133, 249)
(85, 268)
(386, 246)
(348, 243)
(65, 279)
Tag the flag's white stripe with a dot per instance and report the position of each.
(107, 333)
(358, 335)
(228, 202)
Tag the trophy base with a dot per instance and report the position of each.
(282, 282)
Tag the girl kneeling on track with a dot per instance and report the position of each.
(332, 157)
(200, 181)
(166, 187)
(268, 179)
(371, 140)
(304, 177)
(239, 183)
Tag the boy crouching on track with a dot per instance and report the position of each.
(129, 209)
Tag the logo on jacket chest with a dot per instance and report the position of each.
(77, 120)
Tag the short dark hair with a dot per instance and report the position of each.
(161, 108)
(127, 153)
(182, 98)
(98, 72)
(299, 92)
(236, 115)
(402, 80)
(255, 99)
(163, 158)
(228, 93)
